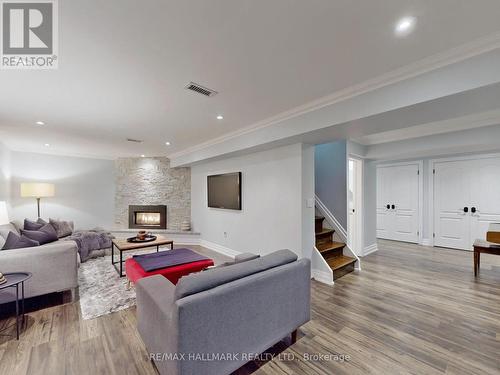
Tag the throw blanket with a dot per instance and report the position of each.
(169, 258)
(90, 240)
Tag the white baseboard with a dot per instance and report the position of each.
(426, 242)
(322, 277)
(187, 242)
(219, 248)
(370, 249)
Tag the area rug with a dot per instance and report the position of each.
(101, 290)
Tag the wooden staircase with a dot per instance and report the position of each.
(332, 251)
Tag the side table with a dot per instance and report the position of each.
(14, 279)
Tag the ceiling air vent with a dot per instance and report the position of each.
(134, 140)
(200, 89)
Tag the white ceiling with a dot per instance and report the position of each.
(124, 64)
(474, 121)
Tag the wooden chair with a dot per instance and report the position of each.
(488, 247)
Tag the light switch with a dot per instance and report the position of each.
(310, 202)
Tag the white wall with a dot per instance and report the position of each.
(356, 149)
(4, 173)
(369, 204)
(85, 188)
(273, 200)
(308, 209)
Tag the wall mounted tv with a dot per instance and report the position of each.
(224, 191)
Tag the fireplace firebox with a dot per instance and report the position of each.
(147, 217)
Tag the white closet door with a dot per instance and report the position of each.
(398, 202)
(451, 195)
(405, 199)
(485, 196)
(384, 214)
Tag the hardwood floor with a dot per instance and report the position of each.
(411, 309)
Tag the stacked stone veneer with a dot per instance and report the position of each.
(143, 181)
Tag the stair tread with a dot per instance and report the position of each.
(340, 261)
(325, 231)
(324, 247)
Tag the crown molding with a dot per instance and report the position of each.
(440, 60)
(60, 153)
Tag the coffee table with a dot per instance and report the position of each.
(123, 245)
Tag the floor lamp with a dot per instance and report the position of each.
(37, 190)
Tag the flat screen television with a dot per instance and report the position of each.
(224, 191)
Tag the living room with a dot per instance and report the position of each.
(234, 187)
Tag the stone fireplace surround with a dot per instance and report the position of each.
(151, 181)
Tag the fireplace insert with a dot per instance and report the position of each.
(147, 217)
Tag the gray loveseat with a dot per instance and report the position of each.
(54, 266)
(242, 309)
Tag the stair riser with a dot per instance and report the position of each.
(323, 238)
(318, 225)
(343, 271)
(332, 253)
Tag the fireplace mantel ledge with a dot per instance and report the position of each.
(158, 231)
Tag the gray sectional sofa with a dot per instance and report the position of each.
(54, 266)
(242, 309)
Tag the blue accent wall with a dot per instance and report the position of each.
(330, 176)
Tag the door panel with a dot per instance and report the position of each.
(405, 192)
(465, 183)
(398, 186)
(485, 196)
(383, 193)
(451, 195)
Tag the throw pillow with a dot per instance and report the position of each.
(44, 235)
(63, 228)
(6, 228)
(2, 241)
(34, 225)
(18, 242)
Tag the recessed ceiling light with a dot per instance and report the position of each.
(167, 143)
(143, 156)
(405, 26)
(41, 123)
(220, 117)
(47, 144)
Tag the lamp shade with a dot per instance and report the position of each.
(4, 216)
(37, 189)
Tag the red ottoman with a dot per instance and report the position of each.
(135, 272)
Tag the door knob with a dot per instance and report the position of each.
(473, 210)
(388, 206)
(466, 209)
(393, 207)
